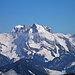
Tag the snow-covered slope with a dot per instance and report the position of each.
(39, 43)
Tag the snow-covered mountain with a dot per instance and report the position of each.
(39, 44)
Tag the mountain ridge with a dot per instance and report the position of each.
(39, 43)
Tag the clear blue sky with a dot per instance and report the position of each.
(56, 14)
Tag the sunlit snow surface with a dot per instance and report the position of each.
(11, 72)
(26, 42)
(13, 45)
(53, 72)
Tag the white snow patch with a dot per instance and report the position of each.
(72, 64)
(46, 53)
(1, 73)
(47, 45)
(30, 31)
(61, 42)
(8, 48)
(10, 72)
(40, 28)
(48, 35)
(31, 72)
(72, 40)
(54, 72)
(57, 54)
(33, 44)
(18, 26)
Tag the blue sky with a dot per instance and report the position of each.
(56, 14)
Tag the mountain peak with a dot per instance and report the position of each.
(42, 28)
(35, 24)
(18, 26)
(34, 28)
(39, 47)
